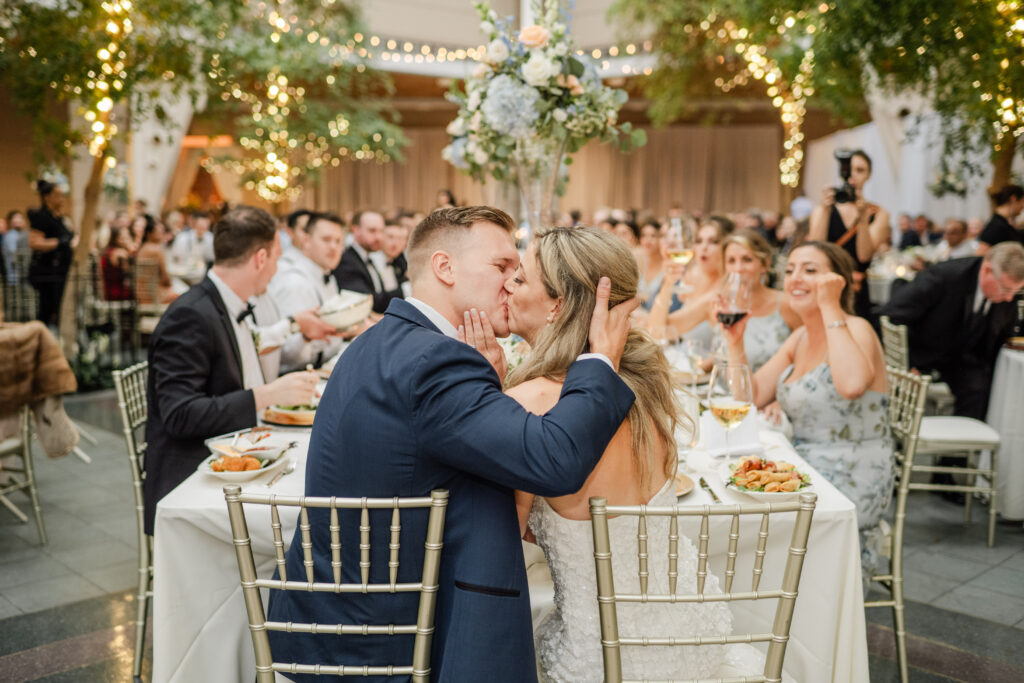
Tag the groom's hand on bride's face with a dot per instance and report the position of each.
(609, 327)
(476, 330)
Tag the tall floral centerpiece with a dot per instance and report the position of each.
(529, 104)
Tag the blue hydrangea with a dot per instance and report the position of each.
(455, 153)
(510, 107)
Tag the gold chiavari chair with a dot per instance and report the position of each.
(427, 587)
(607, 598)
(22, 478)
(951, 436)
(895, 350)
(908, 393)
(131, 400)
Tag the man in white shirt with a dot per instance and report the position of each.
(955, 243)
(356, 271)
(194, 245)
(307, 282)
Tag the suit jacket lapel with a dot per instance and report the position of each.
(226, 323)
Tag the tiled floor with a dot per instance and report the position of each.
(67, 609)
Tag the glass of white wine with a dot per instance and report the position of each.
(730, 396)
(679, 247)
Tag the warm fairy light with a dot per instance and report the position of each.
(111, 67)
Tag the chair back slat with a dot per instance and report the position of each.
(275, 527)
(394, 545)
(641, 552)
(762, 550)
(335, 529)
(673, 554)
(612, 641)
(730, 555)
(702, 554)
(419, 670)
(894, 344)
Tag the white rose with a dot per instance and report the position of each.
(480, 157)
(538, 70)
(559, 50)
(487, 28)
(456, 128)
(559, 115)
(473, 101)
(481, 70)
(497, 51)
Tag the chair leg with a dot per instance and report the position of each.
(969, 495)
(33, 493)
(13, 508)
(86, 435)
(994, 483)
(896, 586)
(142, 598)
(81, 455)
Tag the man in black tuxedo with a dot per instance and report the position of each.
(958, 314)
(204, 372)
(357, 272)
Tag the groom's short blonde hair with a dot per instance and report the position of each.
(444, 228)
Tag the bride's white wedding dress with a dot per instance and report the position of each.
(568, 640)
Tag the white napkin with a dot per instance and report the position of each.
(743, 440)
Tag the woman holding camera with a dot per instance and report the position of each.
(845, 218)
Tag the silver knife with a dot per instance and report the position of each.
(704, 485)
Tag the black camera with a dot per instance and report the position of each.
(845, 192)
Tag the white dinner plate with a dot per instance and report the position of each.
(725, 472)
(273, 466)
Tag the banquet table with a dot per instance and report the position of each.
(1004, 405)
(200, 629)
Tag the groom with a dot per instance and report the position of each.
(409, 408)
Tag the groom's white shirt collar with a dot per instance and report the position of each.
(440, 322)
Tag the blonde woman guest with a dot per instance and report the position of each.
(693, 320)
(829, 378)
(555, 282)
(651, 259)
(770, 320)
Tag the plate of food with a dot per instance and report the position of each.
(764, 479)
(290, 416)
(246, 455)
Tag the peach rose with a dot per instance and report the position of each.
(534, 36)
(570, 83)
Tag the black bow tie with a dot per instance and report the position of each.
(327, 278)
(246, 313)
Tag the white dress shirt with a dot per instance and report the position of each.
(300, 286)
(378, 286)
(188, 248)
(252, 373)
(387, 273)
(449, 330)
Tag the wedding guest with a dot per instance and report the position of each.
(829, 378)
(116, 266)
(307, 282)
(151, 255)
(955, 243)
(770, 319)
(1009, 202)
(410, 408)
(858, 226)
(15, 245)
(693, 320)
(550, 297)
(652, 262)
(445, 199)
(628, 232)
(394, 265)
(204, 372)
(195, 244)
(357, 272)
(295, 222)
(174, 221)
(958, 314)
(974, 227)
(51, 242)
(917, 235)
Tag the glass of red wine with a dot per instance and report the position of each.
(733, 300)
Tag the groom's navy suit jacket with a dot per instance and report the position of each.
(408, 410)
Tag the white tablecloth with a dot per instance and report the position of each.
(200, 631)
(1004, 416)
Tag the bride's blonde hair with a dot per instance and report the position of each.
(571, 261)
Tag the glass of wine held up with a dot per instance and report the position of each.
(730, 396)
(679, 248)
(733, 300)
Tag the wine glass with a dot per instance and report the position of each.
(729, 408)
(733, 300)
(679, 247)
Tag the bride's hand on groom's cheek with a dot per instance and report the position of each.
(609, 327)
(476, 331)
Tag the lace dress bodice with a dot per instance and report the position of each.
(568, 641)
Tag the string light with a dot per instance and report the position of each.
(108, 79)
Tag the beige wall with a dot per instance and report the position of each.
(708, 168)
(17, 165)
(445, 22)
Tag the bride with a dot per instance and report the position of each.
(549, 304)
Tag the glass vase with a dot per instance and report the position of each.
(538, 162)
